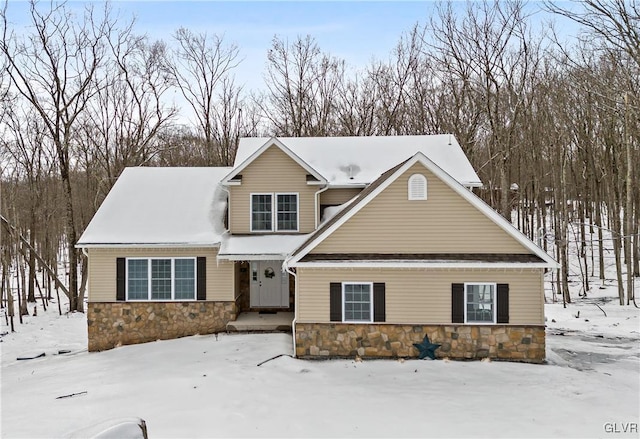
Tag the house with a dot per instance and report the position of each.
(370, 242)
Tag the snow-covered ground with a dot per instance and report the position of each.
(212, 386)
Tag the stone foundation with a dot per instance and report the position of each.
(461, 342)
(120, 323)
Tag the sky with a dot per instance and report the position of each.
(357, 31)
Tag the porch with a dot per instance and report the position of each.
(262, 321)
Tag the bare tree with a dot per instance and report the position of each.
(201, 69)
(53, 69)
(301, 84)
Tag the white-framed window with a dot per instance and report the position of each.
(417, 187)
(261, 212)
(161, 279)
(285, 206)
(480, 302)
(357, 301)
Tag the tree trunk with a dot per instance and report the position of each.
(32, 257)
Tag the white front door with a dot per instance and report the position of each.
(269, 285)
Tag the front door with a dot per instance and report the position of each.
(269, 285)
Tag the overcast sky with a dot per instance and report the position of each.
(356, 31)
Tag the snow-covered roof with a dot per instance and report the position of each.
(357, 161)
(259, 247)
(161, 206)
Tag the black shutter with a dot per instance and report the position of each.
(201, 283)
(120, 279)
(502, 313)
(457, 303)
(378, 302)
(335, 302)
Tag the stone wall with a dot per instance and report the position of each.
(514, 343)
(114, 324)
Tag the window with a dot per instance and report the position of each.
(161, 279)
(357, 302)
(263, 206)
(417, 187)
(287, 211)
(480, 304)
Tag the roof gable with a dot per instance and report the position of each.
(273, 142)
(487, 214)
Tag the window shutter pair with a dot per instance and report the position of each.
(201, 281)
(457, 303)
(335, 302)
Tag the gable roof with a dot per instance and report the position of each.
(389, 177)
(358, 161)
(160, 207)
(241, 164)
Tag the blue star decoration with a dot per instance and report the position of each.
(426, 348)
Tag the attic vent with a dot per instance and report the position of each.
(417, 187)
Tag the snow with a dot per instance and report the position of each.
(161, 206)
(212, 386)
(267, 247)
(206, 386)
(126, 428)
(366, 158)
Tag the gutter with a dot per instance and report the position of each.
(317, 206)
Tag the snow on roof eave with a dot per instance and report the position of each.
(418, 264)
(299, 253)
(146, 244)
(253, 256)
(272, 141)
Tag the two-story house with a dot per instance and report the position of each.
(370, 243)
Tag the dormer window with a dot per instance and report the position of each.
(417, 187)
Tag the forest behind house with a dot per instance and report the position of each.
(550, 122)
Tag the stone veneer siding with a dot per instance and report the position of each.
(113, 324)
(504, 342)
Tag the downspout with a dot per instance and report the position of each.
(317, 206)
(295, 304)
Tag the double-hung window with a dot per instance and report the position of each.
(285, 207)
(161, 279)
(357, 302)
(480, 302)
(261, 212)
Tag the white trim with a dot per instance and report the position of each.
(494, 303)
(274, 212)
(370, 284)
(347, 186)
(153, 245)
(173, 278)
(453, 184)
(250, 257)
(400, 264)
(273, 141)
(423, 182)
(251, 212)
(275, 209)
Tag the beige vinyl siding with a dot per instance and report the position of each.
(338, 196)
(443, 223)
(421, 296)
(272, 172)
(102, 270)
